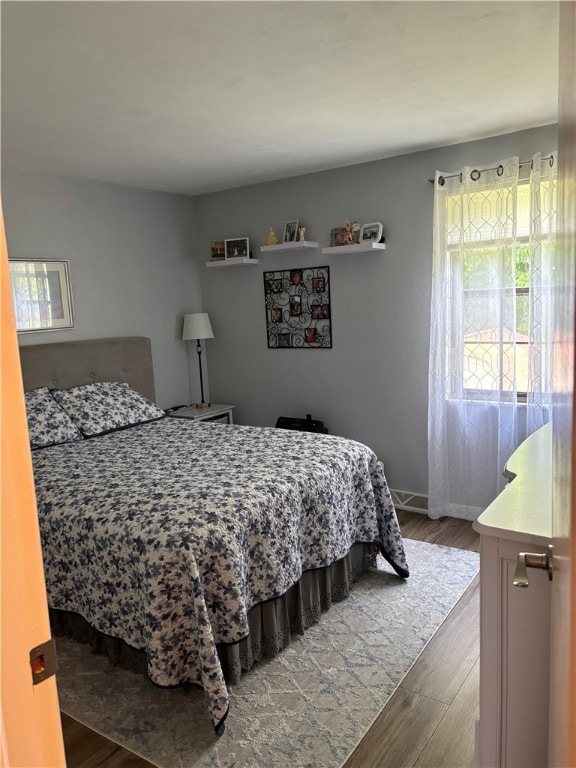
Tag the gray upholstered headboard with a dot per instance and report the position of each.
(71, 363)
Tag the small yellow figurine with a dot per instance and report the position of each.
(302, 234)
(272, 239)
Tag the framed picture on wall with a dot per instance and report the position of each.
(297, 305)
(41, 294)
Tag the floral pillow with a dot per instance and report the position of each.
(48, 424)
(106, 406)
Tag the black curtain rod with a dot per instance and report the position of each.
(475, 174)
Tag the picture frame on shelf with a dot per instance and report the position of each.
(338, 236)
(237, 248)
(42, 294)
(291, 231)
(372, 231)
(217, 250)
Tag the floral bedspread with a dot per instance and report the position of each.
(167, 533)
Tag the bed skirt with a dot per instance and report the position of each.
(272, 623)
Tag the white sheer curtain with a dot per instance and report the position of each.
(491, 325)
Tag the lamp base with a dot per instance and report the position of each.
(202, 405)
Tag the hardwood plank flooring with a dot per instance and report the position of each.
(451, 653)
(428, 722)
(448, 531)
(385, 745)
(87, 749)
(444, 750)
(446, 673)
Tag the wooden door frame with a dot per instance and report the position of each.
(31, 733)
(562, 739)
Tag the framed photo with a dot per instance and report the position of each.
(297, 304)
(338, 236)
(371, 231)
(320, 311)
(41, 294)
(295, 277)
(284, 340)
(237, 248)
(273, 286)
(217, 250)
(290, 231)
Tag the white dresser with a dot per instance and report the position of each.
(515, 621)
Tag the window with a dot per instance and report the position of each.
(492, 263)
(491, 329)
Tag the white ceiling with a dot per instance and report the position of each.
(195, 97)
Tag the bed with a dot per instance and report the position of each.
(200, 546)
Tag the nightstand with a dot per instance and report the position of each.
(213, 412)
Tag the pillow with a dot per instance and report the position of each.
(48, 424)
(105, 407)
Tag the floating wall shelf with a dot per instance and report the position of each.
(369, 246)
(231, 262)
(299, 245)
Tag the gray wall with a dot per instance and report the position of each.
(132, 264)
(137, 261)
(372, 386)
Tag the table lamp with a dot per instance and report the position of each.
(197, 326)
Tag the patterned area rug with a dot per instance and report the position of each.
(307, 708)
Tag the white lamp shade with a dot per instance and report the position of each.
(197, 326)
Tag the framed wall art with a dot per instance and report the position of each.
(41, 294)
(298, 312)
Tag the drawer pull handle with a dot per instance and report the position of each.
(532, 560)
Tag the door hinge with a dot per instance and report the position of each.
(43, 661)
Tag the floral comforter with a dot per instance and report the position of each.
(167, 533)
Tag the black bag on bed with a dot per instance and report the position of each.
(305, 425)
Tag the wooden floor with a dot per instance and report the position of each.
(428, 722)
(87, 749)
